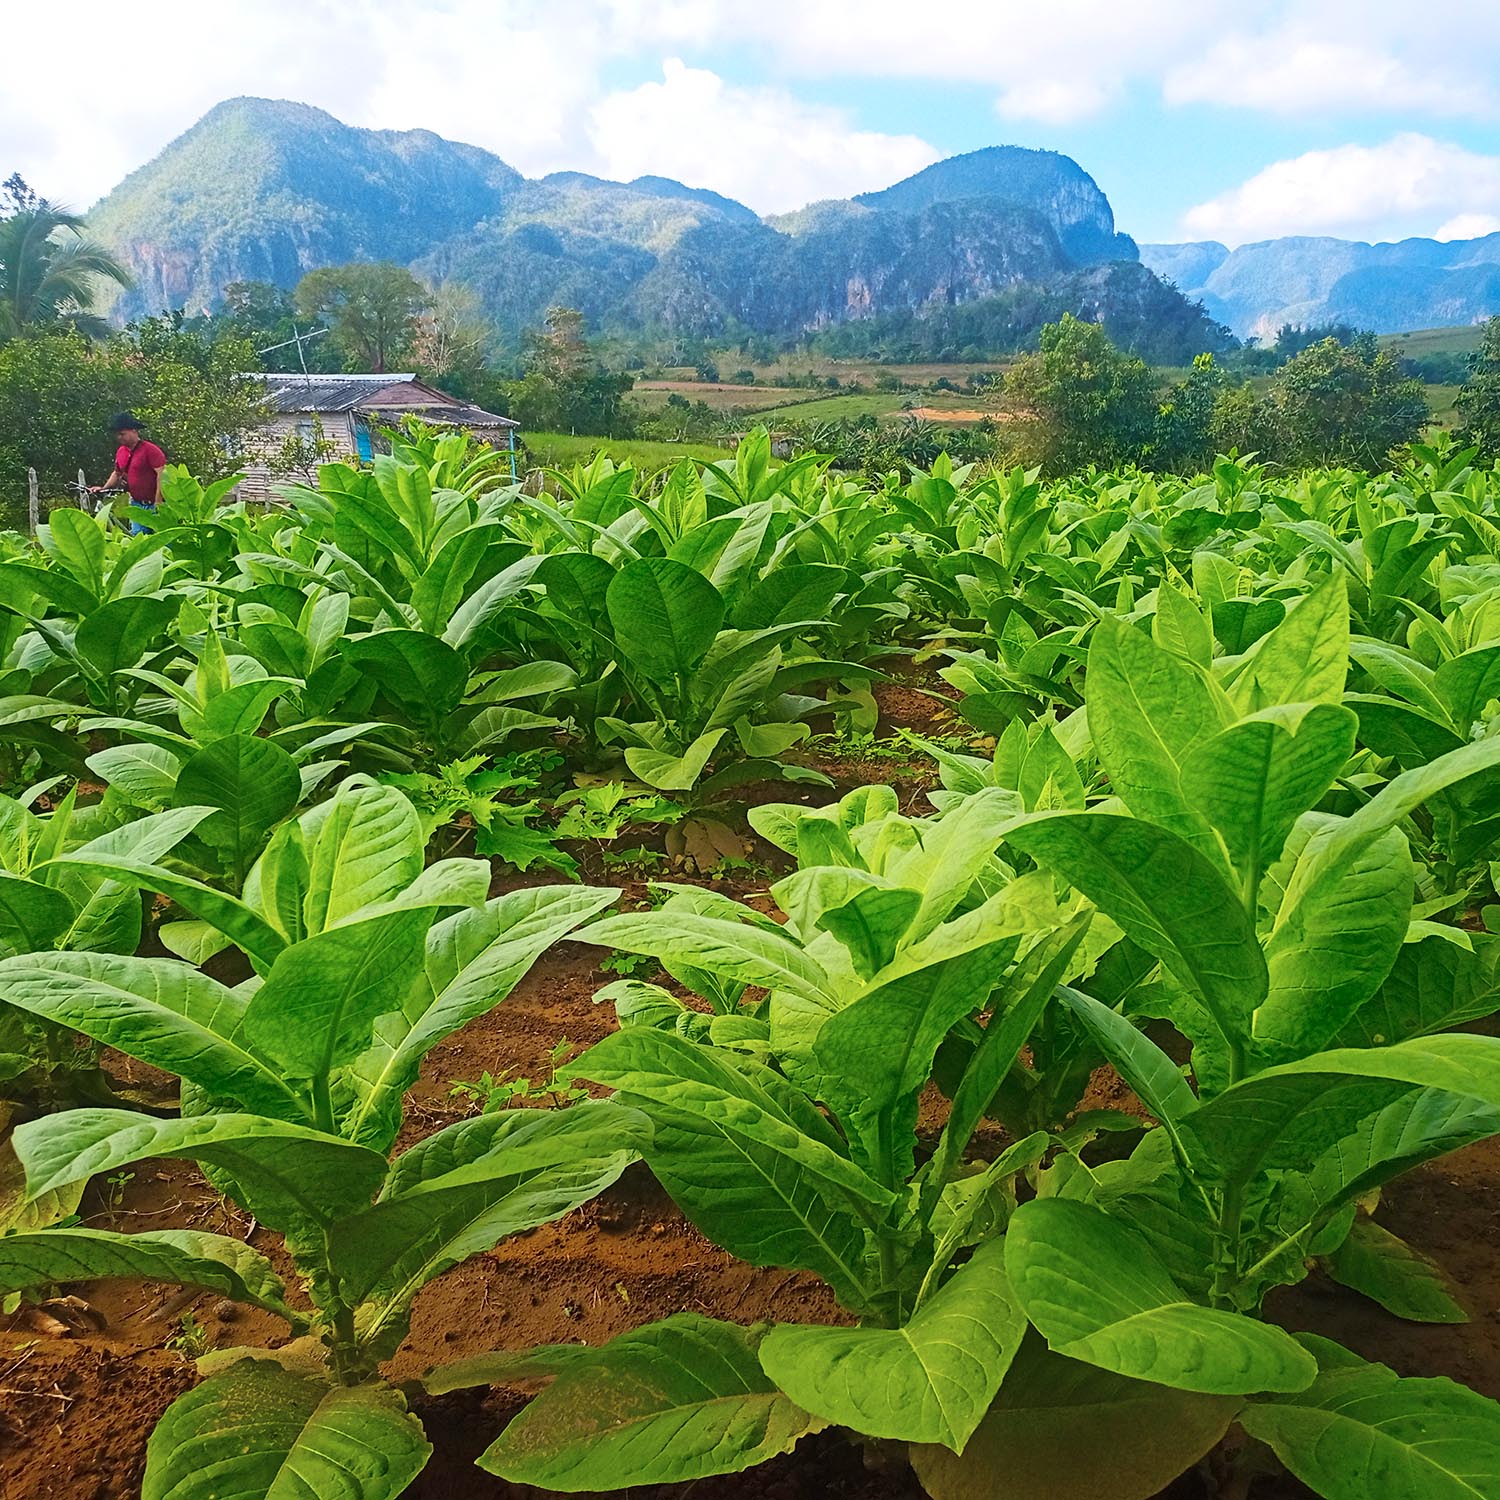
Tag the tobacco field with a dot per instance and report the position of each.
(753, 983)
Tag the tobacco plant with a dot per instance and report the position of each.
(292, 1091)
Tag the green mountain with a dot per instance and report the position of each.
(1054, 184)
(266, 190)
(262, 190)
(1306, 280)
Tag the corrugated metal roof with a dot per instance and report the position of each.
(289, 393)
(330, 393)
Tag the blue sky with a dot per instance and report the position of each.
(1199, 118)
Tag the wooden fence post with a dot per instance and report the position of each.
(83, 494)
(33, 502)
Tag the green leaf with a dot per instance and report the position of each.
(1168, 898)
(665, 616)
(185, 1257)
(118, 634)
(1360, 1430)
(673, 773)
(1181, 627)
(292, 1178)
(750, 1162)
(1305, 659)
(463, 1190)
(364, 846)
(473, 961)
(930, 1381)
(1331, 949)
(247, 928)
(1027, 989)
(32, 916)
(1063, 1430)
(254, 784)
(259, 1429)
(144, 774)
(1148, 711)
(1435, 985)
(418, 670)
(160, 1011)
(1386, 1269)
(324, 994)
(1096, 1292)
(677, 1400)
(732, 950)
(1283, 1115)
(1139, 1061)
(1253, 780)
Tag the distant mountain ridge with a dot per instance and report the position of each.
(1307, 280)
(268, 190)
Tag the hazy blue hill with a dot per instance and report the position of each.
(1189, 265)
(1302, 279)
(265, 189)
(1046, 181)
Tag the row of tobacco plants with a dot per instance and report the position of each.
(1232, 840)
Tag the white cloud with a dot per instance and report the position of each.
(1398, 188)
(760, 145)
(1297, 71)
(1467, 227)
(1053, 101)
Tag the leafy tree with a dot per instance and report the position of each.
(372, 308)
(1184, 437)
(558, 351)
(58, 392)
(565, 388)
(50, 273)
(1240, 422)
(450, 337)
(1088, 403)
(1344, 403)
(265, 316)
(1479, 401)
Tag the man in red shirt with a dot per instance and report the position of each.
(138, 463)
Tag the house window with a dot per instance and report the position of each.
(362, 443)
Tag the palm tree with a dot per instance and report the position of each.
(49, 272)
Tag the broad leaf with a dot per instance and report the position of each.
(187, 1257)
(1360, 1430)
(1386, 1269)
(1064, 1430)
(292, 1178)
(747, 1159)
(259, 1429)
(930, 1381)
(1169, 899)
(677, 1400)
(1096, 1292)
(162, 1012)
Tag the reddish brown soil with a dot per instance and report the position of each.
(75, 1413)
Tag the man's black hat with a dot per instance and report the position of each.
(126, 419)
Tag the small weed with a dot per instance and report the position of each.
(191, 1338)
(628, 965)
(114, 1200)
(642, 861)
(493, 1094)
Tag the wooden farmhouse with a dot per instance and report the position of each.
(344, 414)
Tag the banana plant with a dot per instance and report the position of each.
(293, 1087)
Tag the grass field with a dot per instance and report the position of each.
(561, 450)
(1462, 340)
